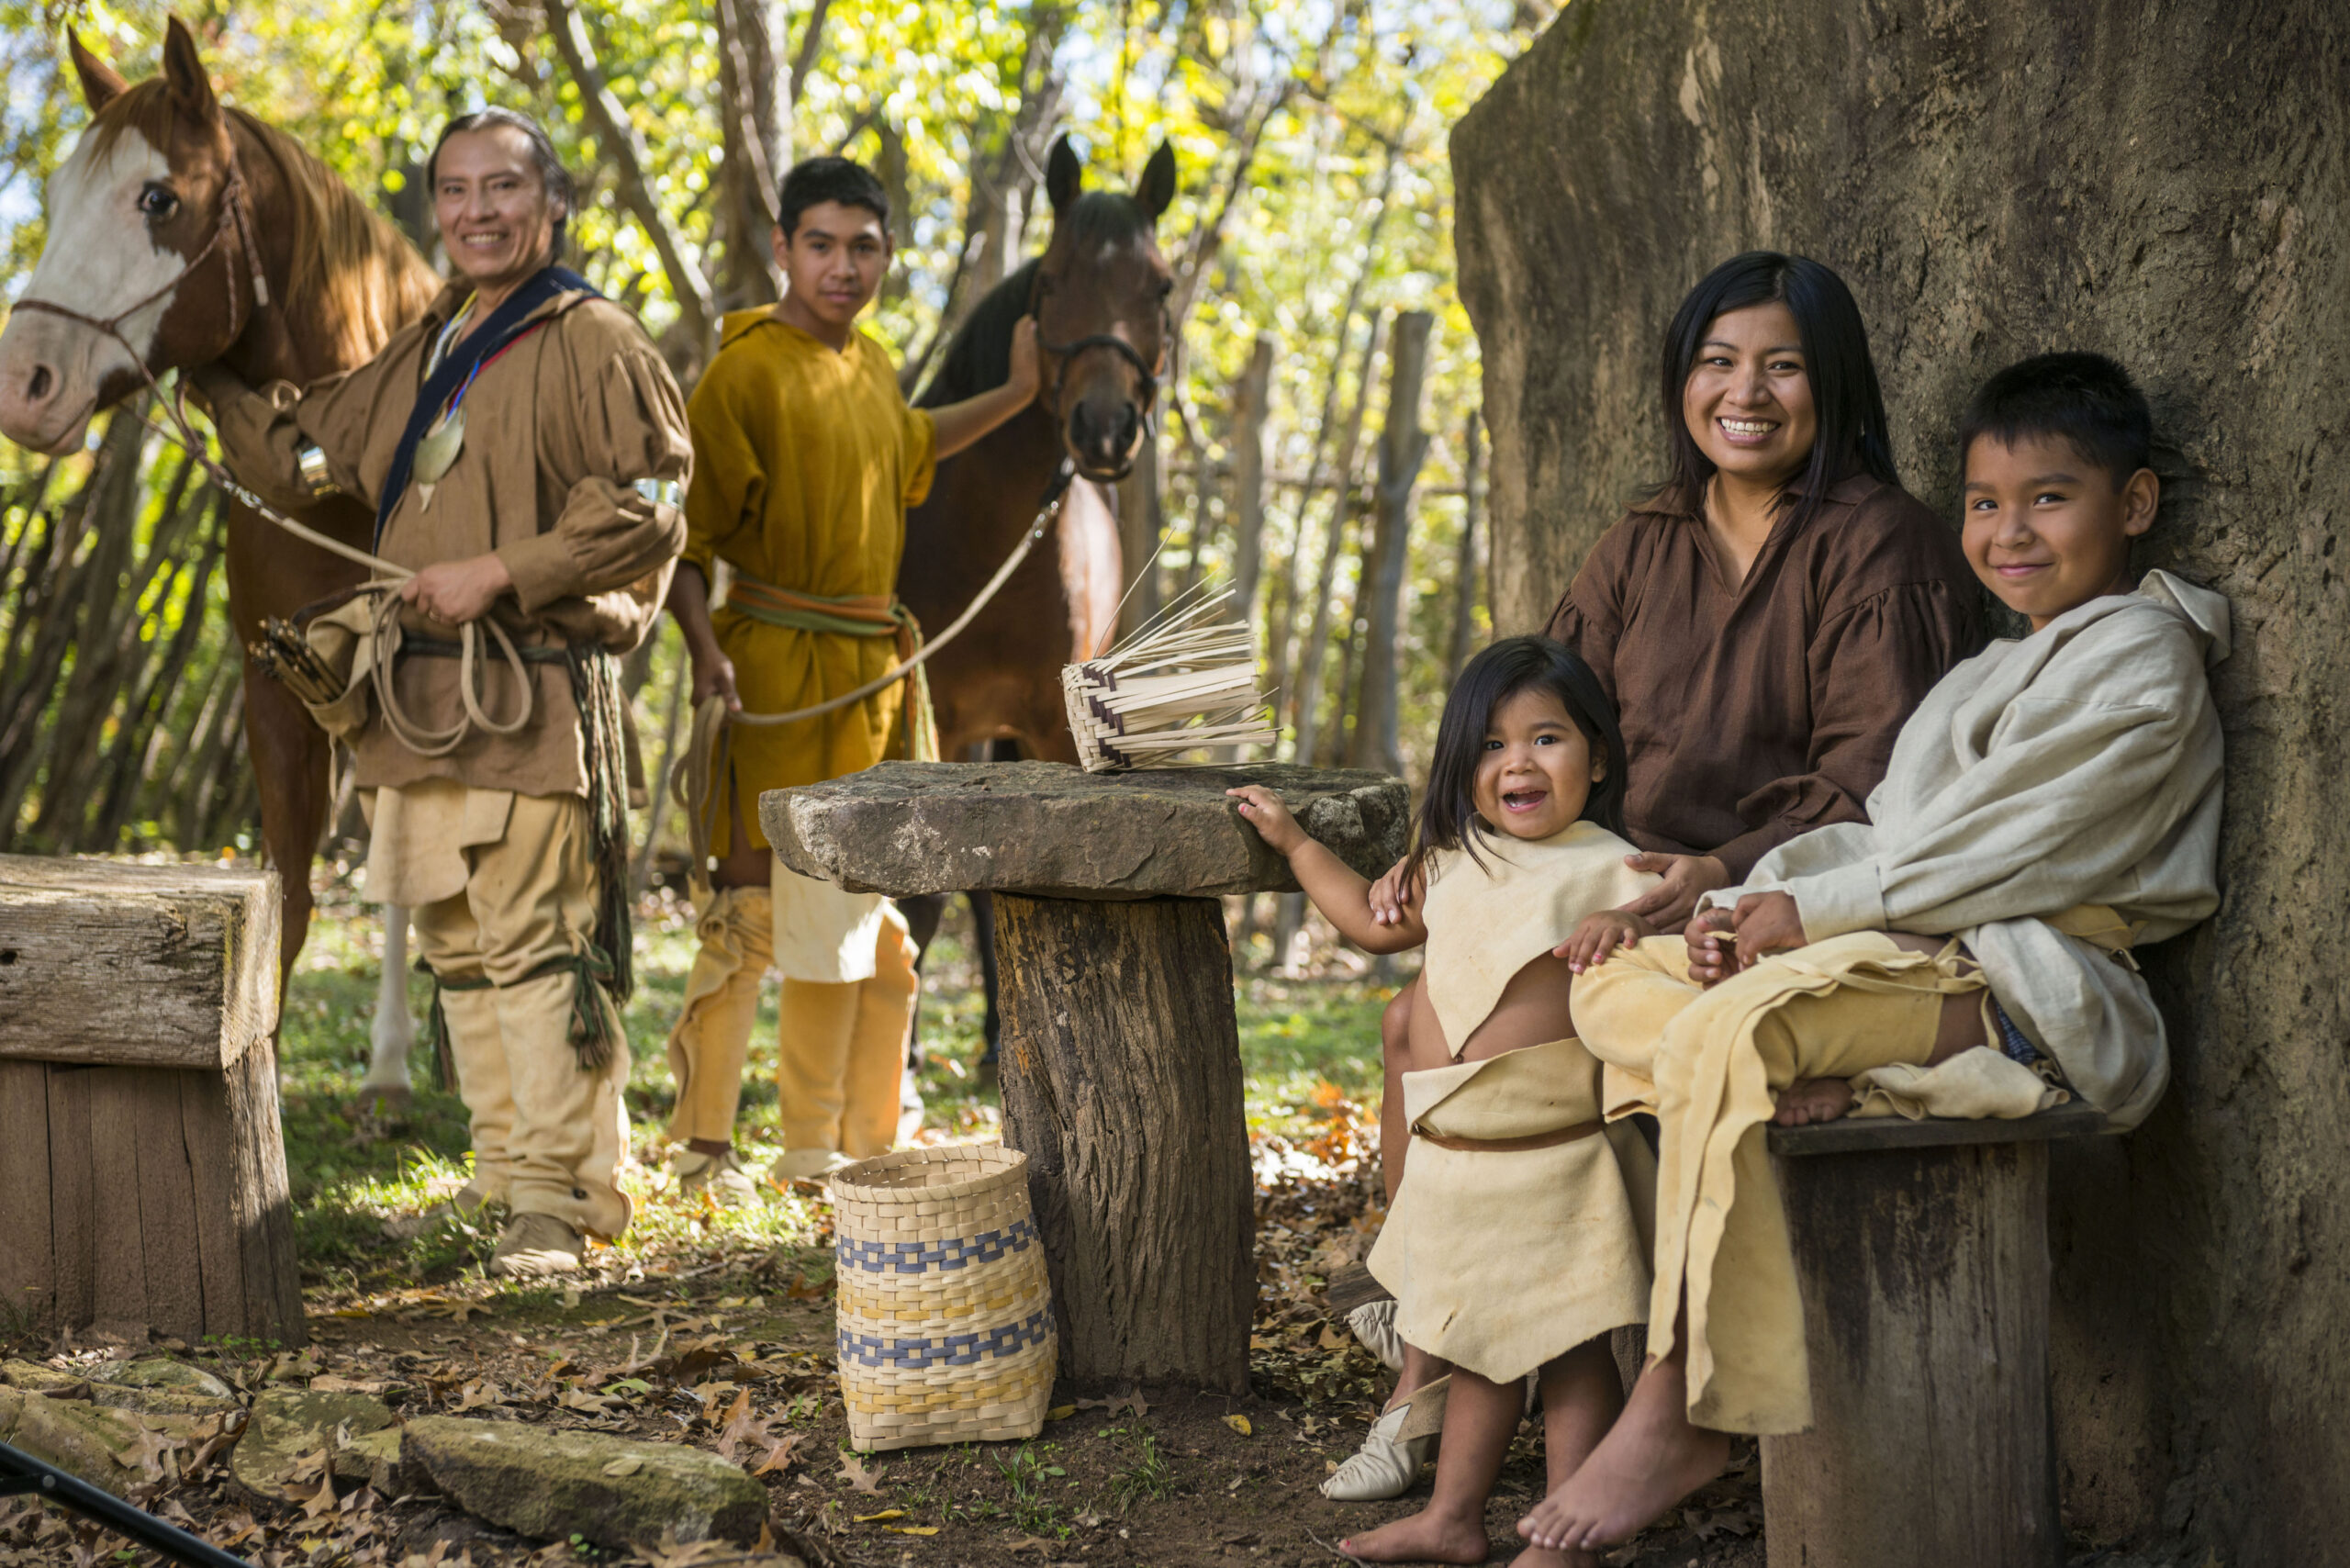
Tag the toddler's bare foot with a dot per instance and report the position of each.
(1811, 1099)
(1423, 1537)
(1650, 1459)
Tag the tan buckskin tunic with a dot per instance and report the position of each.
(558, 431)
(1756, 712)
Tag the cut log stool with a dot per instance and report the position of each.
(1120, 1057)
(142, 1172)
(1922, 1249)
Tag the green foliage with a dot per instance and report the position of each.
(1318, 98)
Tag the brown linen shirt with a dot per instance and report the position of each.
(1758, 711)
(558, 430)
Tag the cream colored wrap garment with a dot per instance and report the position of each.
(1719, 1059)
(2079, 766)
(1491, 914)
(1502, 1259)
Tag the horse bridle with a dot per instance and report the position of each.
(1066, 353)
(232, 213)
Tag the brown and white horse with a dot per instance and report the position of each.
(150, 262)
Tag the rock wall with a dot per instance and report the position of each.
(2164, 181)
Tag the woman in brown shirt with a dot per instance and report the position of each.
(1763, 625)
(1766, 621)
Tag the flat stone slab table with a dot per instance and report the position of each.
(1121, 1057)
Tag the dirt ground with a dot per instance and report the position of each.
(736, 1359)
(715, 1327)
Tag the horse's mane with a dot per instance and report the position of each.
(351, 267)
(979, 354)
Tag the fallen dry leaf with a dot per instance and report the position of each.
(782, 1451)
(864, 1479)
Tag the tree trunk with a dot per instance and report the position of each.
(1286, 586)
(1251, 401)
(624, 151)
(1317, 636)
(1465, 584)
(1142, 522)
(1121, 1071)
(2166, 184)
(1402, 446)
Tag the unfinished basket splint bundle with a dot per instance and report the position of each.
(1178, 684)
(945, 1316)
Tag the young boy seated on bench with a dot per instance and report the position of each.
(2052, 802)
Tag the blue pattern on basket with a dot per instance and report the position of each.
(918, 1257)
(953, 1350)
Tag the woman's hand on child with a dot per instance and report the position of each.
(1600, 934)
(1265, 812)
(1393, 896)
(1687, 877)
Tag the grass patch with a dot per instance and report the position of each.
(1310, 1049)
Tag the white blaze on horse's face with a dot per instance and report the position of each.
(101, 259)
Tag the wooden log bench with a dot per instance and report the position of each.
(1121, 1055)
(1922, 1252)
(142, 1172)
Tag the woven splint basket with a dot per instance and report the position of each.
(946, 1319)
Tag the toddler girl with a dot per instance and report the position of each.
(1514, 1243)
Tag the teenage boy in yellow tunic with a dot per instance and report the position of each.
(806, 458)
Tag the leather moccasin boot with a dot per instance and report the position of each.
(1374, 1324)
(533, 1246)
(720, 1175)
(1388, 1464)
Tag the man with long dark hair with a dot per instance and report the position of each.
(525, 450)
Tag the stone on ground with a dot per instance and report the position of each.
(1049, 829)
(156, 1386)
(360, 1436)
(613, 1492)
(114, 1450)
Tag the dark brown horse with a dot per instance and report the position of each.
(150, 261)
(1099, 293)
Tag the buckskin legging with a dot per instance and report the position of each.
(1718, 1059)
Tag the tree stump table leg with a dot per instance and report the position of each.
(1925, 1294)
(1121, 1071)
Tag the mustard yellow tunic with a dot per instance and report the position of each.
(805, 461)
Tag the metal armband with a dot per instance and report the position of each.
(312, 463)
(661, 492)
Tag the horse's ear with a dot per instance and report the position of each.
(101, 82)
(1157, 187)
(1064, 174)
(190, 84)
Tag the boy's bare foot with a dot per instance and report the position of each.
(1423, 1537)
(1651, 1460)
(1809, 1100)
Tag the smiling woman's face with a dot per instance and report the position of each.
(1748, 400)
